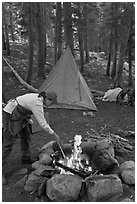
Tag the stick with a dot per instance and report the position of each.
(61, 150)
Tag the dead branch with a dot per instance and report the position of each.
(97, 93)
(31, 88)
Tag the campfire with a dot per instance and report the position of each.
(84, 168)
(75, 163)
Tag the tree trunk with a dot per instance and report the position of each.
(45, 28)
(114, 60)
(56, 36)
(130, 66)
(130, 42)
(123, 46)
(58, 32)
(109, 60)
(80, 39)
(115, 9)
(6, 31)
(126, 24)
(68, 32)
(40, 39)
(11, 23)
(86, 47)
(118, 79)
(31, 40)
(3, 39)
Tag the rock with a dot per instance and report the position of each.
(127, 200)
(64, 187)
(101, 153)
(31, 175)
(42, 189)
(115, 198)
(44, 170)
(45, 159)
(127, 165)
(31, 186)
(21, 182)
(22, 171)
(115, 170)
(47, 148)
(104, 161)
(41, 167)
(88, 148)
(127, 170)
(128, 176)
(44, 198)
(102, 187)
(34, 182)
(106, 144)
(89, 113)
(36, 164)
(37, 199)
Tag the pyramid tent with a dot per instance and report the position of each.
(68, 83)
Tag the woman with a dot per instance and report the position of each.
(16, 118)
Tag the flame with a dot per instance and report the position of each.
(75, 160)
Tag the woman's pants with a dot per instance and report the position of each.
(9, 140)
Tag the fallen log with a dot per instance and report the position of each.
(28, 86)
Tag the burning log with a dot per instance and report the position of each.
(74, 171)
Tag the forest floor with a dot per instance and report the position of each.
(67, 123)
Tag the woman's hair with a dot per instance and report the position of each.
(43, 94)
(51, 95)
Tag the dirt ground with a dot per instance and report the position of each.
(67, 123)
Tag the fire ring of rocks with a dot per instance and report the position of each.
(89, 169)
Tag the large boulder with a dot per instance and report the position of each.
(64, 188)
(127, 170)
(33, 182)
(106, 144)
(101, 153)
(104, 161)
(102, 187)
